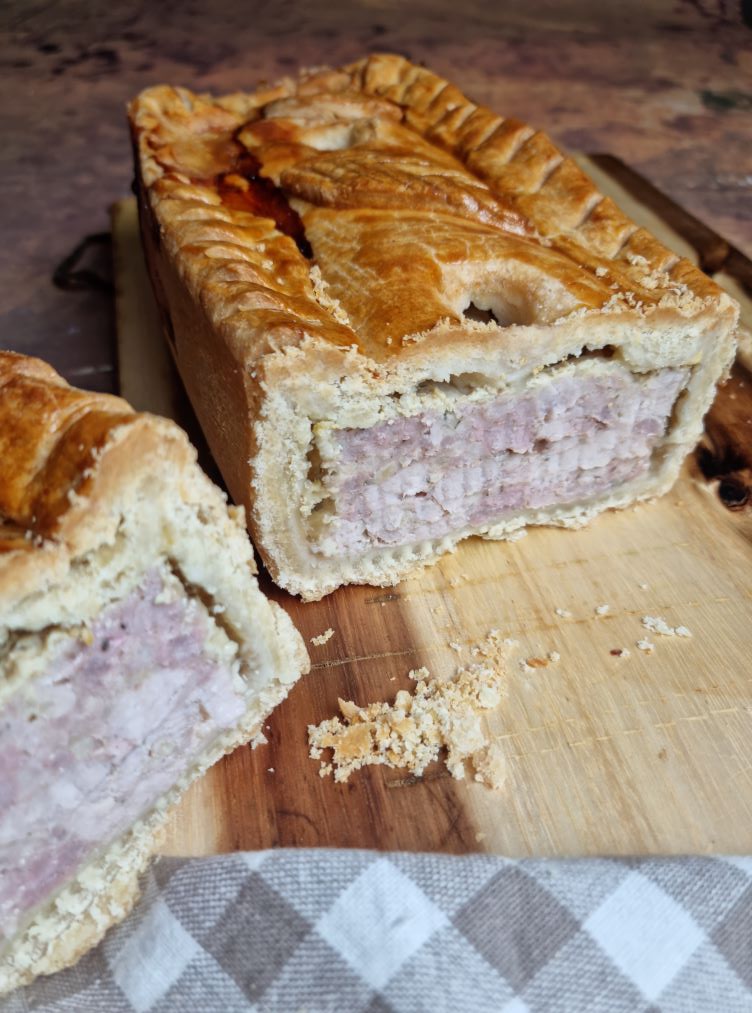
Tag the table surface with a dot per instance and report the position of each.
(665, 86)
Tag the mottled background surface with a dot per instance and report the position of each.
(667, 86)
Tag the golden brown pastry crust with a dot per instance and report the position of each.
(189, 144)
(51, 435)
(93, 494)
(399, 183)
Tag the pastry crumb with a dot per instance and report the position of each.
(489, 764)
(440, 713)
(646, 646)
(270, 770)
(657, 624)
(602, 610)
(455, 646)
(563, 613)
(554, 656)
(644, 587)
(621, 652)
(323, 638)
(416, 674)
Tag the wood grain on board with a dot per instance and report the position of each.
(606, 754)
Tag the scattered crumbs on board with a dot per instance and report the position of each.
(533, 663)
(656, 624)
(323, 638)
(529, 665)
(441, 713)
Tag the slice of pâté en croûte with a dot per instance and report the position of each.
(135, 650)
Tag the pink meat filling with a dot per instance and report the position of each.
(424, 476)
(91, 745)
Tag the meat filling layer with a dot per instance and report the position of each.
(566, 438)
(89, 746)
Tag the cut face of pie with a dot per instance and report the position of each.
(464, 462)
(403, 319)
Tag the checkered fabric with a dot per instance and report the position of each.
(315, 931)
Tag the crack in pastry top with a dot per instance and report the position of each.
(412, 202)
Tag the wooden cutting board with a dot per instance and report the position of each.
(606, 755)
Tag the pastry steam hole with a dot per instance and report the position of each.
(505, 309)
(472, 312)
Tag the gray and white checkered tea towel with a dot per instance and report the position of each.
(350, 931)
